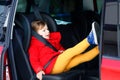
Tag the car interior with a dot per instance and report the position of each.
(7, 12)
(74, 26)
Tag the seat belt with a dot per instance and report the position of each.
(37, 12)
(40, 38)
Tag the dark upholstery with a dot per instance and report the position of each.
(50, 21)
(21, 38)
(20, 43)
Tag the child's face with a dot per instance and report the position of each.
(44, 32)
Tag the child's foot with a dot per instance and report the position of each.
(94, 34)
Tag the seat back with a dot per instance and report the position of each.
(21, 38)
(46, 17)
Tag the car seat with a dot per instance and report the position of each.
(21, 39)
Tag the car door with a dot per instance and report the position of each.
(7, 13)
(110, 40)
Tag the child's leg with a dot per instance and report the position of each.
(81, 58)
(64, 58)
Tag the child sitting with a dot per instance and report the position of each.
(40, 54)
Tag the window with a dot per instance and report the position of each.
(21, 6)
(111, 39)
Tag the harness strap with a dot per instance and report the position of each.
(40, 38)
(48, 63)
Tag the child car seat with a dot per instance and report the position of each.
(21, 38)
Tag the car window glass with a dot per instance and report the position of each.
(99, 5)
(5, 2)
(43, 5)
(1, 23)
(61, 9)
(1, 9)
(111, 29)
(21, 5)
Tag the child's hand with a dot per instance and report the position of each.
(61, 51)
(39, 75)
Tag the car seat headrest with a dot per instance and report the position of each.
(47, 18)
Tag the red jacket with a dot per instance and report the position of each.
(40, 54)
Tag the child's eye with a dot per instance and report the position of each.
(43, 30)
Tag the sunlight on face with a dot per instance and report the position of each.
(44, 32)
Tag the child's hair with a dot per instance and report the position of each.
(37, 25)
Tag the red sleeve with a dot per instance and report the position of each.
(34, 59)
